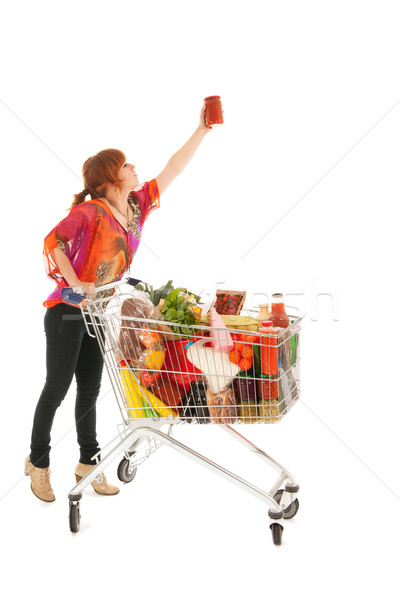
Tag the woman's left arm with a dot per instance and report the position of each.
(180, 159)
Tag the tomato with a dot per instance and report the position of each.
(147, 378)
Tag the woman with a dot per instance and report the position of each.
(93, 245)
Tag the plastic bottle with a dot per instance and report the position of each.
(269, 350)
(263, 315)
(268, 388)
(278, 314)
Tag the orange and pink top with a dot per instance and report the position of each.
(99, 248)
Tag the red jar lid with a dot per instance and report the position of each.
(212, 98)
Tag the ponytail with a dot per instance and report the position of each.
(79, 198)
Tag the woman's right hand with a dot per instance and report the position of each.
(89, 288)
(202, 122)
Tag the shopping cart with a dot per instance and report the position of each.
(164, 374)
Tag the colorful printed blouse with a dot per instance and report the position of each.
(99, 248)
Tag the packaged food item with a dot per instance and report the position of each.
(263, 315)
(245, 389)
(218, 370)
(245, 363)
(149, 338)
(194, 405)
(246, 398)
(285, 361)
(269, 349)
(248, 412)
(154, 358)
(269, 410)
(168, 391)
(287, 389)
(229, 302)
(213, 114)
(242, 322)
(294, 342)
(197, 311)
(137, 307)
(221, 340)
(177, 366)
(242, 355)
(222, 406)
(165, 330)
(268, 386)
(278, 314)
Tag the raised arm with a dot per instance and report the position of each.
(180, 159)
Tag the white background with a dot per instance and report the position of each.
(311, 97)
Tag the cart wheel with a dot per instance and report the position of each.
(277, 531)
(74, 516)
(125, 472)
(291, 510)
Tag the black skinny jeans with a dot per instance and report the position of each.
(70, 350)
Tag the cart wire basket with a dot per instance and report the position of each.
(166, 374)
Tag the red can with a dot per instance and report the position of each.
(213, 114)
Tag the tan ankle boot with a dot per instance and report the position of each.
(104, 488)
(40, 481)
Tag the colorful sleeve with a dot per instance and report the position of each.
(72, 235)
(148, 198)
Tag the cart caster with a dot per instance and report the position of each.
(290, 511)
(277, 531)
(74, 516)
(125, 472)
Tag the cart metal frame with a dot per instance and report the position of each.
(139, 438)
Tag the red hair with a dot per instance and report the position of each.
(100, 171)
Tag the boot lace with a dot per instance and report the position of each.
(45, 477)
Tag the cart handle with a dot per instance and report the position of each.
(75, 295)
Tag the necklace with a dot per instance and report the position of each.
(129, 222)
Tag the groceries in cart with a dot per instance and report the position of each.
(181, 359)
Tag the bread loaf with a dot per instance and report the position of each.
(222, 406)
